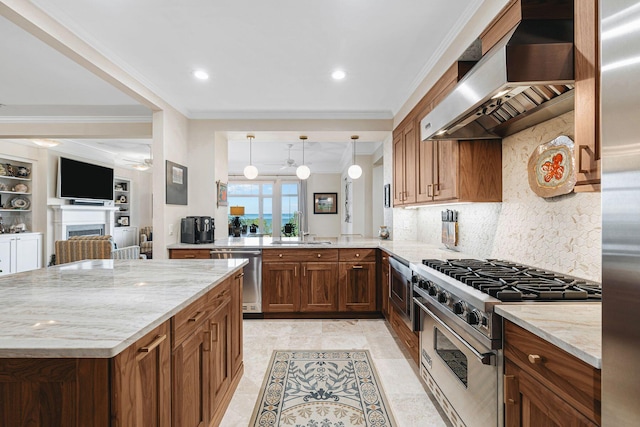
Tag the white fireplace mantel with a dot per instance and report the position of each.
(66, 215)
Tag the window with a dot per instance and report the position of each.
(268, 205)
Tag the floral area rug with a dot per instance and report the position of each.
(321, 389)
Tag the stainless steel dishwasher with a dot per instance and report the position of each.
(252, 290)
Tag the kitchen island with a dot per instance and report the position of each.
(120, 342)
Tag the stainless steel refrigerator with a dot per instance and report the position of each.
(620, 115)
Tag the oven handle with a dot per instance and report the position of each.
(485, 358)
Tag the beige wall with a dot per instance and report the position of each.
(323, 225)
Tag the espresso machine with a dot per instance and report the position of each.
(197, 229)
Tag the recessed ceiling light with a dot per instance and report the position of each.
(338, 75)
(201, 75)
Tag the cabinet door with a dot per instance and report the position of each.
(280, 287)
(6, 256)
(357, 286)
(319, 286)
(398, 170)
(425, 171)
(446, 170)
(236, 323)
(141, 384)
(529, 403)
(220, 368)
(384, 285)
(191, 380)
(28, 253)
(410, 141)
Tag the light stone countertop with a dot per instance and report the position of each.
(98, 308)
(575, 328)
(410, 251)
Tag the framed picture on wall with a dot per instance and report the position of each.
(176, 183)
(222, 193)
(325, 203)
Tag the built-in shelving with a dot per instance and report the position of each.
(122, 200)
(15, 204)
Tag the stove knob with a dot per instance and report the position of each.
(473, 317)
(458, 307)
(443, 297)
(433, 290)
(422, 284)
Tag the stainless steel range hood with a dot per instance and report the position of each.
(525, 79)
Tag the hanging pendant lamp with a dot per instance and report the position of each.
(303, 171)
(354, 171)
(250, 171)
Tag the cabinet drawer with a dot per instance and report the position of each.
(188, 319)
(299, 255)
(218, 296)
(575, 381)
(189, 254)
(410, 339)
(358, 255)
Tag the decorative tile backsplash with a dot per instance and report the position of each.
(562, 233)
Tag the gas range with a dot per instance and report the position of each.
(470, 288)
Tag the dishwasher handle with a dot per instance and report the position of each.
(256, 253)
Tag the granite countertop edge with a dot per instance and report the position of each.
(109, 347)
(572, 330)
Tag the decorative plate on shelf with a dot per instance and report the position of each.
(21, 188)
(552, 168)
(20, 203)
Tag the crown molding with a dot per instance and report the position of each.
(291, 115)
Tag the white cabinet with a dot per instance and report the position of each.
(125, 236)
(20, 252)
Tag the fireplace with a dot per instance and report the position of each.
(85, 230)
(78, 220)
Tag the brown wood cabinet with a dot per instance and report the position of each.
(546, 386)
(384, 284)
(189, 254)
(405, 143)
(141, 387)
(410, 339)
(587, 97)
(321, 281)
(182, 373)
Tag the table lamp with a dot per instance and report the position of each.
(236, 211)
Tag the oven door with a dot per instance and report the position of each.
(401, 292)
(461, 373)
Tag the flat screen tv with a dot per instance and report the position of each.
(84, 181)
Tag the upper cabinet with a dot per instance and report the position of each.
(443, 171)
(587, 98)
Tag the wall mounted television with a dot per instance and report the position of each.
(84, 181)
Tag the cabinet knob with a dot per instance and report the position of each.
(319, 255)
(357, 255)
(535, 359)
(280, 255)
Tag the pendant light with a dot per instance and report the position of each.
(303, 171)
(354, 171)
(250, 171)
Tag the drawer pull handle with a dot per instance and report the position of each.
(240, 275)
(197, 316)
(319, 255)
(156, 342)
(535, 359)
(279, 255)
(357, 267)
(189, 256)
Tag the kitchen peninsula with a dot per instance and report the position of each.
(121, 342)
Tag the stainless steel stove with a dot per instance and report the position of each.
(461, 336)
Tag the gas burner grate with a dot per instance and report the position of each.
(509, 281)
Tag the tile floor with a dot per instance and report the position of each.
(410, 403)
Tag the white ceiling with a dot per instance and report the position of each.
(265, 59)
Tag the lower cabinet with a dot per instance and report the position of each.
(141, 390)
(546, 386)
(319, 280)
(383, 290)
(182, 373)
(20, 252)
(189, 253)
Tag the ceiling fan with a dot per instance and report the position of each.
(142, 165)
(289, 162)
